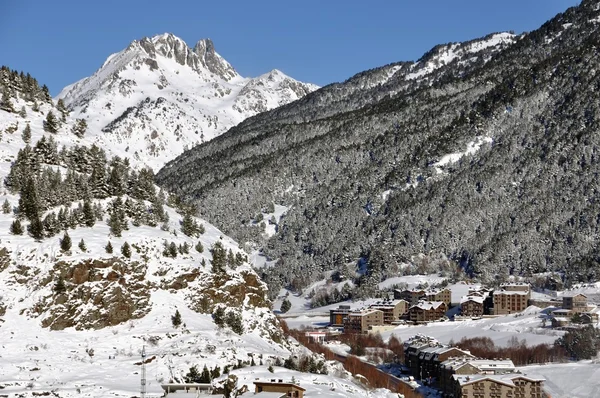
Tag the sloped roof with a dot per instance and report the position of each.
(477, 299)
(428, 305)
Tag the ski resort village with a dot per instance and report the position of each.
(171, 226)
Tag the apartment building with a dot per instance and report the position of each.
(511, 298)
(392, 310)
(498, 386)
(362, 321)
(427, 311)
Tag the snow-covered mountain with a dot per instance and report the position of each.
(73, 321)
(158, 97)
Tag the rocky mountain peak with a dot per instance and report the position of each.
(205, 50)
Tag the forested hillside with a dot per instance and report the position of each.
(481, 154)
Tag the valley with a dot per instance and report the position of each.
(425, 228)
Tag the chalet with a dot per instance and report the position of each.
(589, 317)
(286, 389)
(444, 295)
(412, 296)
(427, 311)
(472, 306)
(392, 310)
(560, 321)
(576, 303)
(337, 315)
(498, 386)
(362, 321)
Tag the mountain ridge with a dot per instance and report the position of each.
(181, 96)
(372, 168)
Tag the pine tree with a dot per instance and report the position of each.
(215, 373)
(285, 306)
(117, 220)
(23, 112)
(6, 102)
(89, 218)
(59, 286)
(126, 250)
(219, 257)
(189, 226)
(82, 246)
(79, 130)
(109, 248)
(65, 242)
(60, 106)
(6, 208)
(28, 201)
(193, 376)
(51, 124)
(35, 107)
(16, 228)
(36, 228)
(176, 319)
(199, 247)
(26, 135)
(173, 249)
(50, 223)
(205, 376)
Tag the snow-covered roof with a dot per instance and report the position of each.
(507, 379)
(386, 303)
(364, 312)
(571, 295)
(492, 364)
(511, 292)
(561, 319)
(477, 299)
(428, 305)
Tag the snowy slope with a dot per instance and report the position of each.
(158, 97)
(88, 338)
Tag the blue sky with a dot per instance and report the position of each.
(62, 41)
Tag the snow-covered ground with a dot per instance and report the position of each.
(335, 384)
(569, 380)
(500, 329)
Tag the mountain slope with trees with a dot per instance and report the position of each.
(481, 155)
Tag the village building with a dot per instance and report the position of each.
(286, 389)
(189, 390)
(316, 336)
(427, 311)
(591, 317)
(392, 310)
(512, 298)
(413, 348)
(444, 295)
(362, 321)
(560, 321)
(412, 296)
(451, 367)
(576, 303)
(498, 386)
(430, 359)
(337, 315)
(472, 306)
